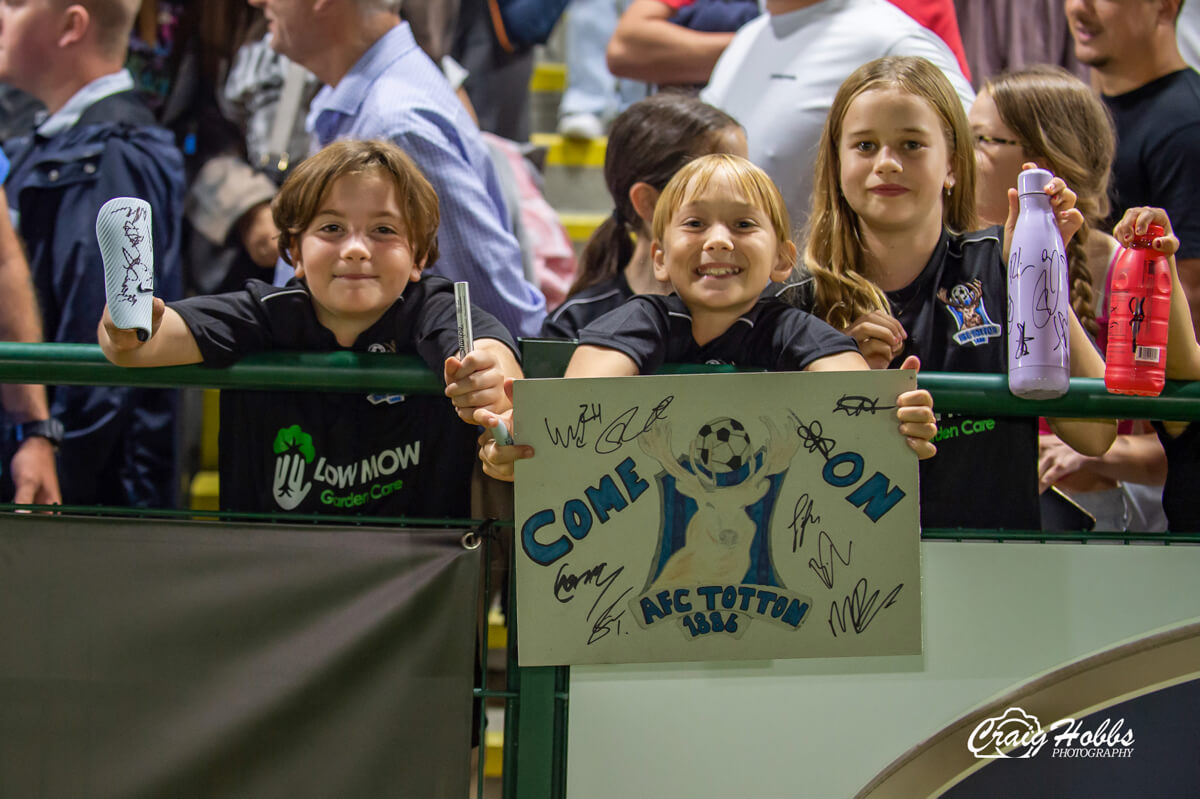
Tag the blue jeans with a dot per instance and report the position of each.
(591, 89)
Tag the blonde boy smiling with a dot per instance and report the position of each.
(718, 252)
(720, 236)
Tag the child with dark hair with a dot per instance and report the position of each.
(647, 144)
(359, 222)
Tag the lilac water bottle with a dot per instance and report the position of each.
(1039, 351)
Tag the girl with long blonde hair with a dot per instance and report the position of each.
(897, 267)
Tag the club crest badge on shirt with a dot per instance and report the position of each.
(965, 304)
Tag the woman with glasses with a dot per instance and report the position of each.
(1047, 115)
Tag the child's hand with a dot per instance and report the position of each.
(1138, 220)
(1062, 202)
(915, 411)
(498, 461)
(1183, 350)
(476, 382)
(171, 343)
(260, 237)
(122, 339)
(879, 336)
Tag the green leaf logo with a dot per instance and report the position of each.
(289, 437)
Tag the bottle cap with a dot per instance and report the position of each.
(1032, 181)
(1153, 231)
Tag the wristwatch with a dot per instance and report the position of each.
(50, 429)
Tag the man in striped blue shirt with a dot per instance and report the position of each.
(380, 85)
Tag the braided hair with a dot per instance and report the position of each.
(1064, 126)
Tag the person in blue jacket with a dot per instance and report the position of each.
(98, 141)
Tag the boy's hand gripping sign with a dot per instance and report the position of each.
(716, 517)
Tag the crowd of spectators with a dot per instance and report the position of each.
(203, 109)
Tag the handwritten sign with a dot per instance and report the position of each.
(716, 517)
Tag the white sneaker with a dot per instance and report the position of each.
(581, 126)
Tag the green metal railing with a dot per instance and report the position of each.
(84, 364)
(536, 698)
(529, 704)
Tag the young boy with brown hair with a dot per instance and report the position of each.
(358, 221)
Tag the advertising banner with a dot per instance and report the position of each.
(187, 659)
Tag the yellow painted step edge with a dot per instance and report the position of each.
(561, 151)
(493, 758)
(210, 426)
(548, 77)
(204, 490)
(497, 634)
(580, 226)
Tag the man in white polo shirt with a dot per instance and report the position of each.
(779, 75)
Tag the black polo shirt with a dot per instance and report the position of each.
(339, 452)
(579, 310)
(955, 314)
(653, 330)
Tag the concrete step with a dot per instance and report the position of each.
(548, 78)
(497, 630)
(545, 92)
(493, 764)
(580, 225)
(203, 491)
(210, 425)
(574, 174)
(493, 741)
(561, 151)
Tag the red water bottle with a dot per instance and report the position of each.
(1139, 311)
